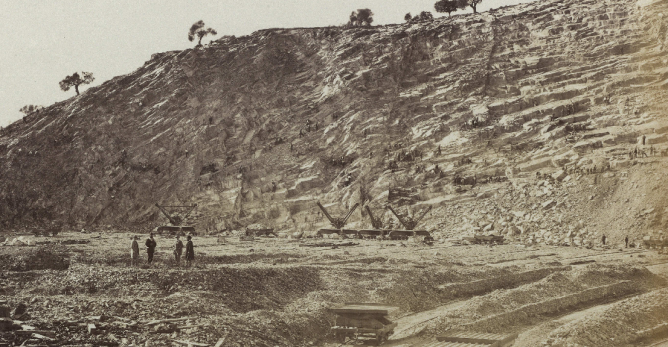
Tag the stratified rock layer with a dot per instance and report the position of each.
(257, 128)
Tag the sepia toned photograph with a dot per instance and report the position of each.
(334, 173)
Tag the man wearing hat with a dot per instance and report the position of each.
(150, 247)
(134, 251)
(190, 251)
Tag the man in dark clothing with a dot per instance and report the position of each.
(178, 249)
(190, 251)
(626, 240)
(603, 240)
(150, 247)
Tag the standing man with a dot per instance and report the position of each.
(603, 239)
(134, 251)
(626, 240)
(150, 247)
(190, 251)
(178, 250)
(571, 238)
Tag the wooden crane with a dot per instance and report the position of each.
(337, 223)
(408, 222)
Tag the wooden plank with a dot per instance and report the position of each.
(42, 337)
(183, 327)
(29, 332)
(494, 340)
(222, 340)
(505, 342)
(169, 320)
(450, 344)
(364, 308)
(190, 343)
(421, 233)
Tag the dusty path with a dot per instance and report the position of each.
(413, 324)
(534, 336)
(659, 269)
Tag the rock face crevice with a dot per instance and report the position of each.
(257, 128)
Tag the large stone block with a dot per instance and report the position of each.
(4, 309)
(655, 139)
(559, 175)
(620, 164)
(564, 158)
(536, 164)
(584, 146)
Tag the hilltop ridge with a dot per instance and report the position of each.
(255, 129)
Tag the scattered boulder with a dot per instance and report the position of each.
(4, 309)
(164, 328)
(92, 329)
(19, 311)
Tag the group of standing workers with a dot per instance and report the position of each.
(151, 245)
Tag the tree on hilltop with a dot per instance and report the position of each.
(28, 109)
(198, 30)
(361, 17)
(471, 3)
(447, 6)
(408, 17)
(425, 16)
(75, 81)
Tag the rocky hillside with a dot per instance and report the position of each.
(458, 113)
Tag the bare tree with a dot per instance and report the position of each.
(471, 3)
(75, 81)
(198, 30)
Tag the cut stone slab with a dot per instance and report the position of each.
(655, 139)
(559, 175)
(548, 204)
(92, 329)
(536, 164)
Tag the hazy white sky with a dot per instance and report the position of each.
(44, 41)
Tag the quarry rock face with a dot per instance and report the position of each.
(255, 129)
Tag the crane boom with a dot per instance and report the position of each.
(172, 220)
(331, 220)
(350, 213)
(376, 223)
(192, 208)
(401, 220)
(417, 220)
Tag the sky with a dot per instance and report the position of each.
(45, 40)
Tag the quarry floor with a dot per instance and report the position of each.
(276, 292)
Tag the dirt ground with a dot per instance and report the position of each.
(276, 292)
